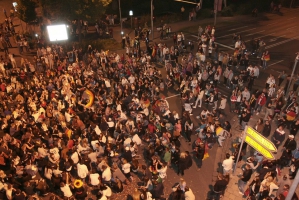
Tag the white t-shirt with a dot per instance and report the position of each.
(82, 170)
(126, 168)
(106, 175)
(94, 179)
(66, 190)
(227, 164)
(75, 157)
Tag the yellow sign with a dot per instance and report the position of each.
(260, 139)
(267, 154)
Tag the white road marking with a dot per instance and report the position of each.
(275, 63)
(261, 37)
(282, 42)
(291, 27)
(238, 28)
(236, 33)
(218, 44)
(224, 45)
(291, 18)
(255, 33)
(274, 39)
(172, 96)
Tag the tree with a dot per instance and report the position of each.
(26, 10)
(89, 10)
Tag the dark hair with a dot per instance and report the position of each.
(227, 155)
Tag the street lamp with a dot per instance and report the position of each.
(294, 68)
(121, 22)
(131, 14)
(152, 20)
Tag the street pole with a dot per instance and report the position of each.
(152, 20)
(121, 22)
(240, 150)
(294, 68)
(215, 11)
(291, 3)
(293, 187)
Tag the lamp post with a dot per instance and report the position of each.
(152, 20)
(121, 22)
(131, 15)
(294, 68)
(215, 10)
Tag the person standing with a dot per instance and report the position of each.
(222, 105)
(267, 129)
(245, 177)
(182, 164)
(281, 77)
(220, 185)
(245, 119)
(278, 136)
(227, 164)
(260, 102)
(188, 130)
(199, 154)
(290, 144)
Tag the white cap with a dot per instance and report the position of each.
(291, 136)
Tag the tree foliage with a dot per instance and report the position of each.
(75, 9)
(26, 10)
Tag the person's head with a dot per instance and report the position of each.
(136, 194)
(227, 155)
(286, 187)
(291, 137)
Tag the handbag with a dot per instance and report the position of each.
(246, 193)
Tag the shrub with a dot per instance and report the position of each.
(205, 13)
(227, 12)
(245, 9)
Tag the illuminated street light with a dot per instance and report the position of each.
(131, 14)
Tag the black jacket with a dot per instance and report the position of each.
(290, 144)
(246, 175)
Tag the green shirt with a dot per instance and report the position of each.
(167, 156)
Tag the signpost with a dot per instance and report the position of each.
(250, 132)
(258, 142)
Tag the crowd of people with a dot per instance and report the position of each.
(73, 123)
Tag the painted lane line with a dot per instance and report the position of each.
(291, 27)
(218, 43)
(255, 33)
(261, 36)
(274, 39)
(282, 42)
(275, 63)
(236, 33)
(172, 96)
(271, 24)
(224, 45)
(237, 28)
(291, 18)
